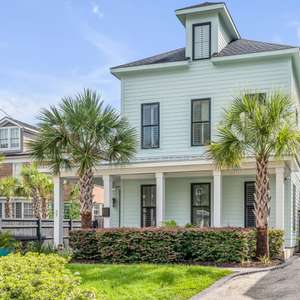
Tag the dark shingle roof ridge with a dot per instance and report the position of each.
(269, 43)
(203, 4)
(21, 123)
(156, 58)
(247, 46)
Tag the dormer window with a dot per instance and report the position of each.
(201, 41)
(10, 138)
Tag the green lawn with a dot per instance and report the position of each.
(146, 282)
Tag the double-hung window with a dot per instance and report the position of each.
(10, 138)
(150, 125)
(27, 210)
(201, 41)
(200, 127)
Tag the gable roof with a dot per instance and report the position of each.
(201, 5)
(237, 47)
(166, 57)
(243, 46)
(19, 123)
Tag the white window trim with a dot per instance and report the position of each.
(9, 148)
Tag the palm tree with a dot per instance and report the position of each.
(38, 187)
(9, 188)
(81, 133)
(258, 128)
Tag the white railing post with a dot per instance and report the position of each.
(160, 198)
(58, 230)
(107, 184)
(217, 188)
(279, 205)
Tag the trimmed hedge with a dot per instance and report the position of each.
(169, 245)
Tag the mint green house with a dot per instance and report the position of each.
(175, 100)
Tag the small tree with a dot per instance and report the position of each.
(258, 128)
(38, 187)
(81, 133)
(9, 188)
(74, 203)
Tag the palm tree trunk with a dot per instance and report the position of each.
(8, 208)
(45, 214)
(36, 205)
(262, 207)
(86, 186)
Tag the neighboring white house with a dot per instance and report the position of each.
(14, 136)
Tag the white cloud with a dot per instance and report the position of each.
(96, 10)
(296, 25)
(34, 90)
(43, 90)
(114, 51)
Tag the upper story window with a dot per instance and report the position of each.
(261, 97)
(201, 41)
(200, 122)
(150, 125)
(10, 138)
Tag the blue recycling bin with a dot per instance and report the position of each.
(4, 251)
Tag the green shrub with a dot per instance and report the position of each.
(169, 224)
(169, 245)
(8, 241)
(39, 277)
(40, 247)
(276, 242)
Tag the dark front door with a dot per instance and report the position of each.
(148, 205)
(200, 204)
(249, 204)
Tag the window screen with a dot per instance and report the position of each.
(200, 122)
(201, 41)
(201, 204)
(150, 125)
(148, 193)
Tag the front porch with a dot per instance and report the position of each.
(188, 192)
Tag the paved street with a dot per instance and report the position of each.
(278, 284)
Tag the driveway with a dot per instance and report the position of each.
(278, 284)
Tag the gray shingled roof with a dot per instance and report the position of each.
(170, 56)
(243, 46)
(201, 5)
(22, 124)
(238, 47)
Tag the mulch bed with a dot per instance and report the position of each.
(249, 264)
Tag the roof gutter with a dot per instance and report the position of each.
(118, 72)
(253, 56)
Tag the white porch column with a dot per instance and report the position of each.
(107, 184)
(279, 198)
(160, 198)
(217, 183)
(58, 210)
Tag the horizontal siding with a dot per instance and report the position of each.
(290, 234)
(233, 213)
(174, 90)
(178, 199)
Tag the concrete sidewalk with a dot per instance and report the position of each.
(282, 283)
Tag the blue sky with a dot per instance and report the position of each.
(54, 48)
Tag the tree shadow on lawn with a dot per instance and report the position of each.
(278, 284)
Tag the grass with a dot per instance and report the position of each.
(145, 281)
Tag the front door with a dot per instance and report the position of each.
(148, 205)
(249, 204)
(200, 214)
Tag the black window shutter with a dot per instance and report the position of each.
(249, 204)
